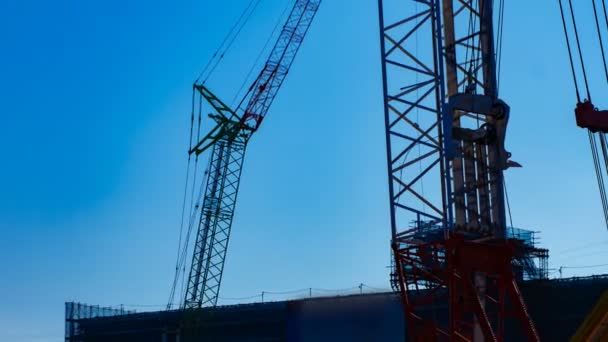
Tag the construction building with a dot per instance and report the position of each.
(460, 270)
(557, 306)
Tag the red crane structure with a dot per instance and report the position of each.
(446, 126)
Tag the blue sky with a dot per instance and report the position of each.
(95, 102)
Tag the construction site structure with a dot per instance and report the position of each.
(445, 134)
(558, 307)
(228, 141)
(461, 270)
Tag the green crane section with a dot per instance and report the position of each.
(228, 142)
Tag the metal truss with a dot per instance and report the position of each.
(215, 223)
(229, 138)
(413, 97)
(453, 275)
(432, 51)
(445, 130)
(264, 90)
(469, 54)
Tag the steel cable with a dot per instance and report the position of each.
(602, 135)
(185, 241)
(604, 147)
(599, 35)
(224, 41)
(217, 62)
(501, 22)
(592, 141)
(605, 13)
(561, 8)
(586, 266)
(580, 51)
(600, 177)
(181, 228)
(245, 81)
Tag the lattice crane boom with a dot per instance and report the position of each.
(228, 142)
(264, 90)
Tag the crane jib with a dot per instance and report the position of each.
(228, 142)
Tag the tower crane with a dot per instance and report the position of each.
(445, 135)
(228, 141)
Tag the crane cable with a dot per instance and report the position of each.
(257, 60)
(599, 34)
(499, 39)
(580, 51)
(592, 140)
(215, 54)
(561, 8)
(501, 23)
(230, 38)
(598, 171)
(181, 228)
(602, 136)
(193, 209)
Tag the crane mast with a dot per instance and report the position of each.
(228, 142)
(474, 143)
(445, 136)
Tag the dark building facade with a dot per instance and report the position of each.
(558, 307)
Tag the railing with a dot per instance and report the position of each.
(77, 311)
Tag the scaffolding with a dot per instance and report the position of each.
(529, 262)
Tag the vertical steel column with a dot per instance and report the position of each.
(491, 90)
(413, 96)
(451, 66)
(387, 136)
(478, 194)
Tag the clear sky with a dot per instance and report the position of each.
(95, 101)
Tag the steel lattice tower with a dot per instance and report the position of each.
(445, 133)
